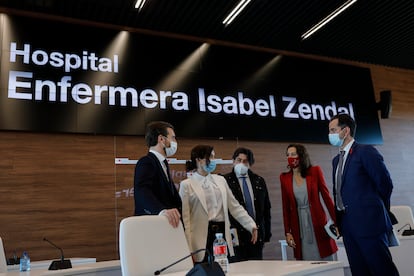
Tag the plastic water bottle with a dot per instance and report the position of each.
(25, 262)
(220, 252)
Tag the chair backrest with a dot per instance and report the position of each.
(149, 243)
(404, 215)
(3, 262)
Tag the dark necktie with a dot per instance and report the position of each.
(172, 186)
(247, 198)
(339, 203)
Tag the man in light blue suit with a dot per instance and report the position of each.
(362, 201)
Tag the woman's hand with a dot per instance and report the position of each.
(338, 235)
(254, 235)
(290, 240)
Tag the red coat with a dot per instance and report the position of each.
(316, 186)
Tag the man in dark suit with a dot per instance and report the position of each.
(243, 159)
(154, 189)
(362, 200)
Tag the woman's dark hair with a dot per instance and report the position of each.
(304, 159)
(201, 152)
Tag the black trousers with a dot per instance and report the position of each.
(213, 228)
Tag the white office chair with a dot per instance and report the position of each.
(405, 218)
(150, 243)
(3, 262)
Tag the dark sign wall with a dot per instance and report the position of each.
(115, 82)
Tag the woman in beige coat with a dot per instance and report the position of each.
(207, 201)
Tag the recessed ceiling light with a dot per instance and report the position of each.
(139, 4)
(324, 21)
(235, 12)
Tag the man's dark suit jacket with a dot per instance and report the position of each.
(366, 191)
(261, 203)
(153, 191)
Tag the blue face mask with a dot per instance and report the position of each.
(210, 167)
(335, 140)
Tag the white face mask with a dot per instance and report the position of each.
(172, 149)
(240, 169)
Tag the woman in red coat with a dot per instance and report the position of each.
(304, 217)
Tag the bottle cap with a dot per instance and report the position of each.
(219, 235)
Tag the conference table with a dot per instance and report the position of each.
(248, 268)
(46, 263)
(105, 268)
(280, 268)
(80, 266)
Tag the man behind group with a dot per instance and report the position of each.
(243, 159)
(154, 189)
(362, 200)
